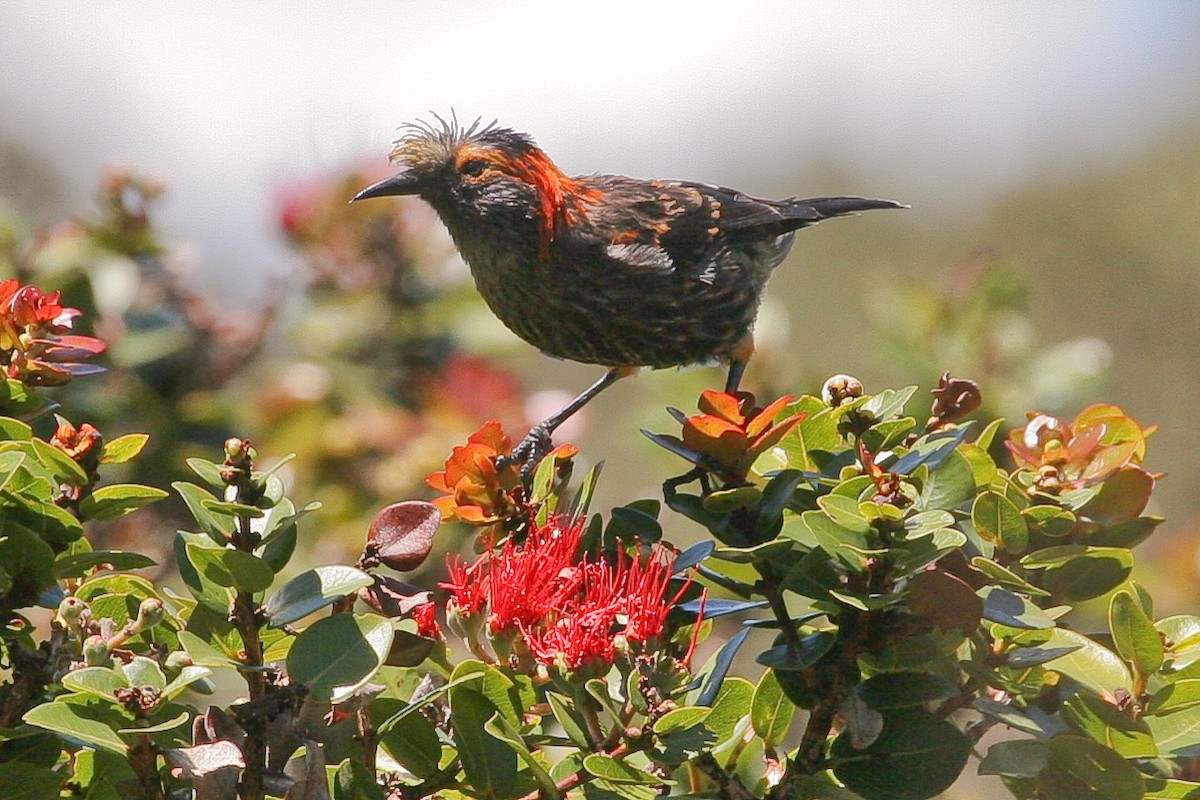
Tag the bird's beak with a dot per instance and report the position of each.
(401, 183)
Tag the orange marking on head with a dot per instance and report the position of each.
(559, 196)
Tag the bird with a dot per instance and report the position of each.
(602, 269)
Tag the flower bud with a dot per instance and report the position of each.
(95, 651)
(150, 614)
(70, 610)
(841, 388)
(176, 661)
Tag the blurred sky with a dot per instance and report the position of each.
(941, 103)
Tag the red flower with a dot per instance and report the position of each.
(568, 612)
(427, 624)
(34, 344)
(527, 583)
(477, 491)
(468, 585)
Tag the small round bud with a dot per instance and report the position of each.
(1049, 479)
(841, 388)
(234, 447)
(176, 661)
(71, 609)
(150, 613)
(95, 651)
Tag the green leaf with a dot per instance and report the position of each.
(22, 781)
(571, 721)
(730, 707)
(1006, 608)
(1177, 733)
(1081, 769)
(1134, 634)
(391, 722)
(123, 448)
(794, 657)
(207, 471)
(1091, 665)
(614, 771)
(771, 711)
(1170, 789)
(1002, 575)
(845, 513)
(1078, 572)
(952, 483)
(489, 763)
(96, 681)
(92, 722)
(118, 500)
(353, 781)
(78, 564)
(1018, 758)
(14, 429)
(1108, 725)
(336, 655)
(208, 594)
(997, 518)
(1175, 697)
(843, 543)
(678, 719)
(166, 725)
(142, 671)
(312, 590)
(232, 568)
(222, 507)
(217, 526)
(411, 740)
(503, 730)
(915, 757)
(890, 690)
(184, 680)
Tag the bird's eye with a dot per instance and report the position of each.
(473, 167)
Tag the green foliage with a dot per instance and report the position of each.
(901, 589)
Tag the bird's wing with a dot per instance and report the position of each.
(680, 226)
(658, 225)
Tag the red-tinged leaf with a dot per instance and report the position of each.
(564, 452)
(446, 506)
(764, 418)
(474, 515)
(722, 405)
(775, 435)
(1083, 444)
(1109, 460)
(401, 535)
(492, 436)
(437, 481)
(716, 438)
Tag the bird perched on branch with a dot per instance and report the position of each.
(602, 269)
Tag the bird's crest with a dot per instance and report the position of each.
(431, 145)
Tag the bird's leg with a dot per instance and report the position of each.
(536, 444)
(737, 362)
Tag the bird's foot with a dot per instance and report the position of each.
(529, 452)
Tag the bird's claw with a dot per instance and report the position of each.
(529, 452)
